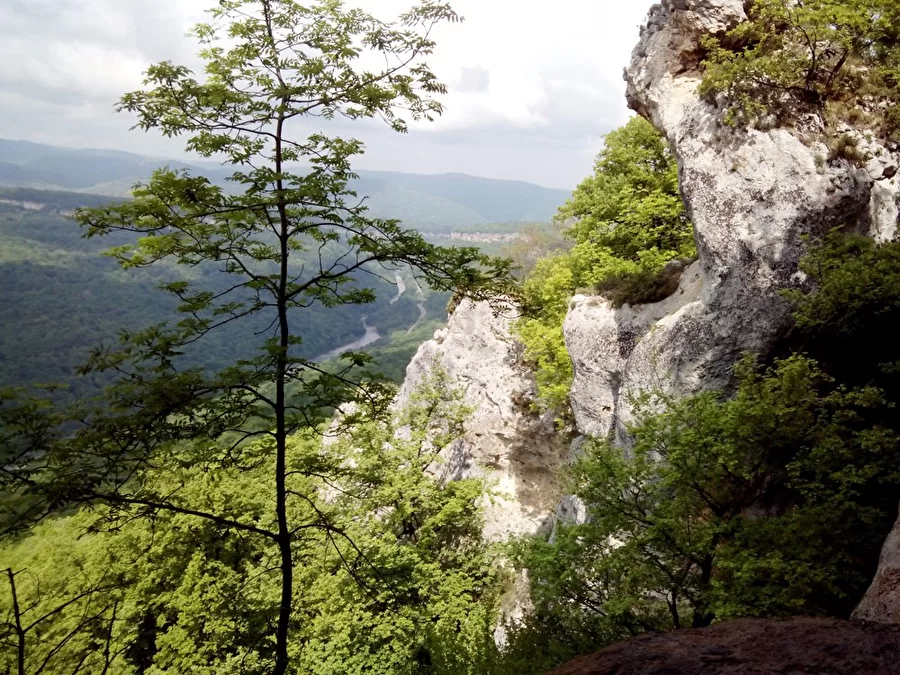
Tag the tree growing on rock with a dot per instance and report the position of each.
(773, 502)
(837, 58)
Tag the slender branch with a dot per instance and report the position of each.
(162, 506)
(20, 632)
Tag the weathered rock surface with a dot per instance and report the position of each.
(520, 453)
(882, 601)
(601, 341)
(753, 195)
(753, 647)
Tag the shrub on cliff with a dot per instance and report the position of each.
(773, 502)
(837, 57)
(850, 318)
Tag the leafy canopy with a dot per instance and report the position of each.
(402, 578)
(287, 233)
(850, 315)
(770, 503)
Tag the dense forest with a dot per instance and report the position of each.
(63, 298)
(227, 504)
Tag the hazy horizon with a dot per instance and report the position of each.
(187, 159)
(531, 92)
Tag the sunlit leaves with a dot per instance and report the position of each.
(771, 502)
(826, 56)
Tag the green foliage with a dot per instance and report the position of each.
(63, 297)
(547, 291)
(770, 503)
(69, 591)
(850, 315)
(632, 203)
(398, 579)
(627, 222)
(435, 583)
(846, 147)
(818, 55)
(268, 65)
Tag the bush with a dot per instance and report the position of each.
(642, 287)
(824, 56)
(772, 503)
(850, 318)
(846, 147)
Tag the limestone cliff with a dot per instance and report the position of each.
(518, 452)
(752, 195)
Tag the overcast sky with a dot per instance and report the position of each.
(533, 85)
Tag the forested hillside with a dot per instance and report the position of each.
(424, 202)
(63, 298)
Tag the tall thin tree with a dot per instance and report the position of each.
(287, 231)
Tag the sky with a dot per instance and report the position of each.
(534, 86)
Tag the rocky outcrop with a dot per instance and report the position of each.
(753, 196)
(601, 341)
(518, 452)
(882, 601)
(753, 647)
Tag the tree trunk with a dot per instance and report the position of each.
(17, 614)
(284, 533)
(702, 615)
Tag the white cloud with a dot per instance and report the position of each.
(536, 84)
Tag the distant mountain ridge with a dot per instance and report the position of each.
(433, 203)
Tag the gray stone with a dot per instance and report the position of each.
(519, 452)
(753, 195)
(882, 601)
(601, 341)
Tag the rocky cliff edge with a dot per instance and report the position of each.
(518, 452)
(753, 196)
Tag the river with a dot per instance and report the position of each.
(401, 288)
(371, 335)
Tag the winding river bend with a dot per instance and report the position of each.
(370, 336)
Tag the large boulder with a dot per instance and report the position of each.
(753, 195)
(882, 601)
(753, 647)
(519, 452)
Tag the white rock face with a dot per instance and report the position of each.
(602, 340)
(752, 195)
(520, 454)
(882, 601)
